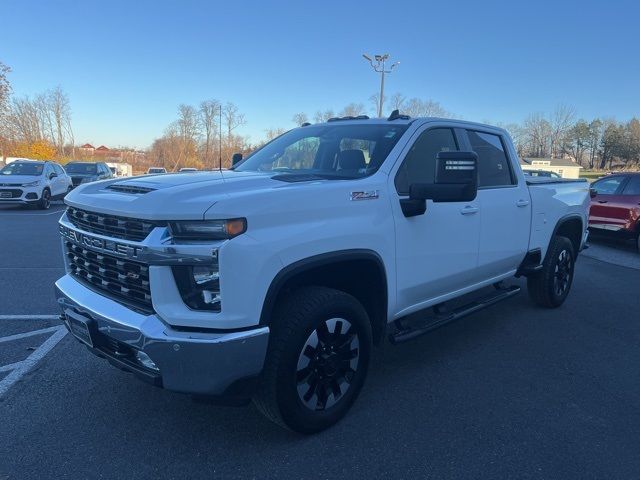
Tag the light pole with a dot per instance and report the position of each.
(379, 66)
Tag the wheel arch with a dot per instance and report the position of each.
(358, 272)
(570, 226)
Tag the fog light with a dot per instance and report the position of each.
(144, 360)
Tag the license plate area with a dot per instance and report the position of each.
(80, 328)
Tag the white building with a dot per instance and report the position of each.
(564, 167)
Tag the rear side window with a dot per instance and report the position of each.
(58, 169)
(493, 165)
(607, 186)
(633, 186)
(419, 166)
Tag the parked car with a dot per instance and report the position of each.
(156, 170)
(273, 280)
(615, 208)
(540, 173)
(34, 183)
(86, 172)
(188, 169)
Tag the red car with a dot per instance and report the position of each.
(615, 208)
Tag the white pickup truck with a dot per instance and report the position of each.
(273, 280)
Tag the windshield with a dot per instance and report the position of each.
(21, 168)
(331, 151)
(86, 168)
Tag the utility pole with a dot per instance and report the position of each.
(220, 139)
(380, 67)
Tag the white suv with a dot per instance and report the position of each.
(31, 182)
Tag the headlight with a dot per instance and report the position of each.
(199, 285)
(208, 229)
(31, 184)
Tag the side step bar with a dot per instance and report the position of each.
(412, 332)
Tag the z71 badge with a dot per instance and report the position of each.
(366, 195)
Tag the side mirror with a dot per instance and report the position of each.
(456, 180)
(235, 159)
(593, 193)
(52, 175)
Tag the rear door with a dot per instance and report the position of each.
(631, 194)
(505, 205)
(608, 208)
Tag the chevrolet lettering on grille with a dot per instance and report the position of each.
(107, 246)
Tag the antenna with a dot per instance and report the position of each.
(220, 140)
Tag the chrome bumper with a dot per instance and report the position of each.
(194, 362)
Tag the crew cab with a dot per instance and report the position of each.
(615, 206)
(273, 280)
(33, 183)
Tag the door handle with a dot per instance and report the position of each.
(522, 203)
(469, 210)
(602, 201)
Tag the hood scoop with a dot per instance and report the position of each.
(131, 189)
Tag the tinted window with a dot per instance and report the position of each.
(493, 165)
(80, 168)
(607, 186)
(633, 186)
(419, 166)
(23, 168)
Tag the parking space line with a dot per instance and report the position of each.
(32, 333)
(11, 366)
(29, 317)
(26, 365)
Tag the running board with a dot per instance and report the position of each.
(410, 333)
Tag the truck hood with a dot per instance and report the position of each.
(179, 196)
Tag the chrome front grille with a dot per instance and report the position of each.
(111, 225)
(121, 279)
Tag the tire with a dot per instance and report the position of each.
(45, 200)
(550, 286)
(312, 376)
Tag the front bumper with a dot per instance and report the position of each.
(20, 195)
(199, 362)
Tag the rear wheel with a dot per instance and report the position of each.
(45, 200)
(317, 361)
(550, 286)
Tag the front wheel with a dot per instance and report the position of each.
(317, 361)
(550, 286)
(45, 200)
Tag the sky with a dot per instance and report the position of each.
(127, 65)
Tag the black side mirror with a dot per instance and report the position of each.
(52, 175)
(235, 159)
(593, 193)
(456, 180)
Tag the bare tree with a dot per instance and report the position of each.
(208, 117)
(300, 118)
(321, 117)
(375, 102)
(397, 100)
(417, 107)
(560, 122)
(232, 118)
(353, 110)
(59, 113)
(537, 134)
(272, 133)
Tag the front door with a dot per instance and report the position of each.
(609, 210)
(437, 252)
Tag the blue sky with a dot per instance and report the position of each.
(127, 65)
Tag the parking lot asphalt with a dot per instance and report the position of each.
(515, 391)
